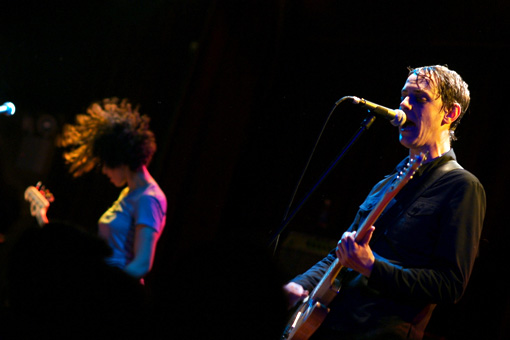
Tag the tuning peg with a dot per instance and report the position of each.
(45, 192)
(49, 196)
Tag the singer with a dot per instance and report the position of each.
(422, 248)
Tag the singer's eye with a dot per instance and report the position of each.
(418, 98)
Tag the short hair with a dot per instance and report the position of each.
(450, 87)
(112, 133)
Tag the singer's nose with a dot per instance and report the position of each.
(404, 104)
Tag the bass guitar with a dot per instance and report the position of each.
(312, 312)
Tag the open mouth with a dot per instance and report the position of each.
(408, 124)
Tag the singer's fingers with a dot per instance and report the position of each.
(368, 236)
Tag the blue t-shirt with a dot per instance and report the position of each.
(145, 205)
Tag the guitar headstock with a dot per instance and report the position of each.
(39, 198)
(409, 170)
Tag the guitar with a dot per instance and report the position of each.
(312, 312)
(39, 199)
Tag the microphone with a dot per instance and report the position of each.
(396, 117)
(7, 109)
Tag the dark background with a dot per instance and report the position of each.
(237, 92)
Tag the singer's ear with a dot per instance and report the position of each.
(452, 114)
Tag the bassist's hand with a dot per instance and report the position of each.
(294, 293)
(356, 255)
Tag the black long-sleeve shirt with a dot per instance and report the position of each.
(425, 248)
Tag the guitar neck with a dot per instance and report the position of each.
(374, 215)
(325, 291)
(322, 291)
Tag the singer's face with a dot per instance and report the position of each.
(425, 129)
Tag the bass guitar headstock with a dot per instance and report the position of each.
(39, 198)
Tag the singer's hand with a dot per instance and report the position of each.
(356, 255)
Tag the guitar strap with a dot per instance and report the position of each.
(398, 209)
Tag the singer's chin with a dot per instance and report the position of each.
(406, 138)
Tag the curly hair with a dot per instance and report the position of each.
(112, 133)
(451, 88)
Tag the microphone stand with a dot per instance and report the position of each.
(365, 125)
